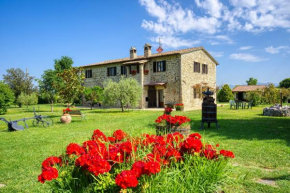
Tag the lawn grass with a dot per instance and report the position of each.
(261, 144)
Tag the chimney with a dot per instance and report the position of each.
(147, 50)
(133, 53)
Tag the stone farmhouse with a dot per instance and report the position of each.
(166, 78)
(240, 91)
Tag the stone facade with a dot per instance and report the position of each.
(174, 85)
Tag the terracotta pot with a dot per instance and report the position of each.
(145, 73)
(185, 130)
(65, 118)
(161, 130)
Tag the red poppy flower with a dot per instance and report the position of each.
(137, 167)
(48, 173)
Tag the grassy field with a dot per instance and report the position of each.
(261, 144)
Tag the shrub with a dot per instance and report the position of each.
(270, 95)
(6, 97)
(148, 163)
(28, 99)
(225, 94)
(255, 97)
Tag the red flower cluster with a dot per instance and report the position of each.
(102, 153)
(179, 104)
(172, 120)
(65, 111)
(48, 170)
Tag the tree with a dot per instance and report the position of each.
(271, 94)
(225, 94)
(255, 97)
(19, 81)
(93, 95)
(63, 64)
(6, 97)
(47, 86)
(28, 99)
(125, 92)
(71, 84)
(285, 83)
(252, 81)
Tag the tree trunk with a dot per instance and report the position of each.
(51, 105)
(122, 106)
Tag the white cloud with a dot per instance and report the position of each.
(174, 42)
(273, 50)
(212, 7)
(215, 17)
(225, 39)
(216, 54)
(245, 47)
(246, 57)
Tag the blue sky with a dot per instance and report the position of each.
(249, 38)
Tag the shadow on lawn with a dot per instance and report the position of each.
(262, 128)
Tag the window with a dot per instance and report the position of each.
(89, 73)
(196, 93)
(159, 66)
(196, 67)
(123, 70)
(204, 69)
(112, 71)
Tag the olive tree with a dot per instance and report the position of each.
(125, 92)
(28, 99)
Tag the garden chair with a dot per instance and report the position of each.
(232, 103)
(250, 104)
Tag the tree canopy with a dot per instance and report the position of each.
(6, 97)
(126, 92)
(19, 81)
(252, 81)
(285, 83)
(63, 64)
(93, 95)
(70, 86)
(225, 94)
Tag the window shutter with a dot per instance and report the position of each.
(108, 71)
(206, 69)
(198, 64)
(137, 68)
(164, 65)
(154, 66)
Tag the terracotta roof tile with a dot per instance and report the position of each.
(246, 88)
(183, 51)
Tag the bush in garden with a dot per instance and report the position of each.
(6, 97)
(225, 94)
(148, 163)
(255, 96)
(28, 99)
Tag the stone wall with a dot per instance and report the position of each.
(190, 78)
(178, 89)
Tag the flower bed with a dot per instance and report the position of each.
(110, 164)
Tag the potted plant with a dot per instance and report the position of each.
(167, 111)
(65, 118)
(133, 72)
(179, 107)
(162, 126)
(179, 124)
(146, 72)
